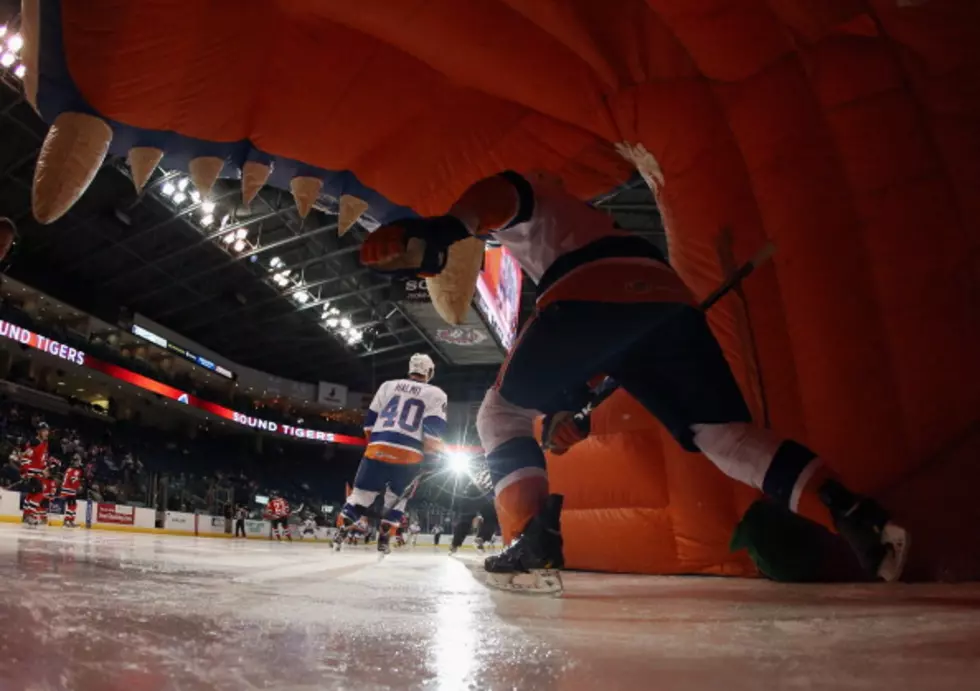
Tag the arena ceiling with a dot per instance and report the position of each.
(214, 275)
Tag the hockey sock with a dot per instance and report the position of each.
(520, 483)
(794, 479)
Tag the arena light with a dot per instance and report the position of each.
(458, 461)
(241, 233)
(207, 207)
(239, 245)
(8, 59)
(302, 297)
(354, 336)
(3, 30)
(228, 238)
(180, 198)
(196, 198)
(207, 220)
(182, 184)
(345, 323)
(332, 322)
(168, 189)
(20, 71)
(15, 43)
(275, 262)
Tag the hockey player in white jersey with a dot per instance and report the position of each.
(406, 419)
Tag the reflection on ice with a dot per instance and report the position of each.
(90, 611)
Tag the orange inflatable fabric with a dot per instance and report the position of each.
(845, 131)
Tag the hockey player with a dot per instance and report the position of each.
(277, 511)
(608, 303)
(308, 528)
(414, 530)
(33, 465)
(70, 486)
(49, 491)
(405, 420)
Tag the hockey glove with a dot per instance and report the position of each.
(412, 246)
(563, 430)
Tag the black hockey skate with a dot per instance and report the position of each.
(384, 544)
(531, 563)
(880, 546)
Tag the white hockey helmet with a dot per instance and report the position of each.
(422, 365)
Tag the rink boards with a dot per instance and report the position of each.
(136, 519)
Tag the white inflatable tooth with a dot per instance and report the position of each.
(351, 209)
(254, 176)
(71, 155)
(204, 171)
(452, 290)
(142, 161)
(306, 190)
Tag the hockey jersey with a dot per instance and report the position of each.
(277, 508)
(72, 482)
(34, 456)
(50, 486)
(554, 237)
(402, 417)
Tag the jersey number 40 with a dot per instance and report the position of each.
(408, 413)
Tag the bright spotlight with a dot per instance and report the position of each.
(239, 245)
(459, 461)
(345, 323)
(207, 220)
(241, 233)
(168, 188)
(207, 207)
(179, 198)
(182, 184)
(15, 43)
(20, 71)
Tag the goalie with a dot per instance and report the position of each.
(609, 304)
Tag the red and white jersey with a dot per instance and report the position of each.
(277, 508)
(72, 482)
(403, 415)
(50, 486)
(34, 458)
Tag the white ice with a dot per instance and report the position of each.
(87, 610)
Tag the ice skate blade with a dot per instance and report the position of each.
(897, 542)
(537, 582)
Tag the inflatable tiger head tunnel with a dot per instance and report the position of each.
(847, 132)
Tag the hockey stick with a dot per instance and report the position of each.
(608, 386)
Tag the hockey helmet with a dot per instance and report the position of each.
(422, 365)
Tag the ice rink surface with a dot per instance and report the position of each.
(103, 611)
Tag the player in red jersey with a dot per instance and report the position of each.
(49, 490)
(70, 486)
(277, 510)
(33, 466)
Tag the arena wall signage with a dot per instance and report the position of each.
(34, 340)
(78, 357)
(183, 352)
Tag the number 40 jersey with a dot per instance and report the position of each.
(405, 419)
